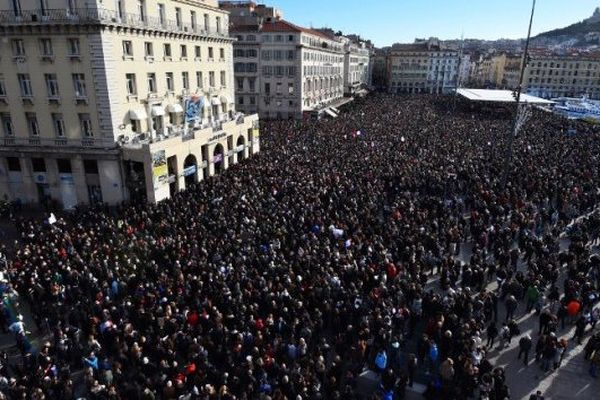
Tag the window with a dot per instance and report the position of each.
(16, 7)
(90, 167)
(149, 51)
(279, 38)
(251, 38)
(266, 55)
(167, 50)
(59, 124)
(279, 70)
(46, 47)
(170, 82)
(178, 19)
(251, 67)
(85, 123)
(127, 49)
(131, 85)
(183, 51)
(51, 85)
(252, 100)
(151, 77)
(240, 83)
(278, 88)
(241, 100)
(239, 67)
(210, 53)
(161, 14)
(291, 87)
(25, 85)
(222, 53)
(223, 82)
(64, 166)
(206, 22)
(291, 55)
(251, 53)
(197, 52)
(277, 55)
(13, 164)
(18, 48)
(267, 88)
(211, 79)
(141, 9)
(38, 165)
(193, 20)
(73, 47)
(238, 53)
(267, 70)
(2, 87)
(185, 80)
(290, 38)
(292, 71)
(79, 85)
(199, 79)
(7, 124)
(32, 124)
(251, 84)
(218, 24)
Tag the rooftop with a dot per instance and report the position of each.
(499, 96)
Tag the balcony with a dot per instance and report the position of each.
(92, 16)
(56, 142)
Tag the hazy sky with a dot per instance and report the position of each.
(389, 21)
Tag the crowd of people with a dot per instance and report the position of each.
(340, 247)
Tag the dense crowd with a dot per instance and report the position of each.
(331, 251)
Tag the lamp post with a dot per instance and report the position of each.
(519, 118)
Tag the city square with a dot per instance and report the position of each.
(205, 200)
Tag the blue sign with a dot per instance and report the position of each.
(193, 107)
(191, 170)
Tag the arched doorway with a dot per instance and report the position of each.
(190, 170)
(240, 147)
(218, 158)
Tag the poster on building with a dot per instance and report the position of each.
(193, 108)
(160, 171)
(255, 132)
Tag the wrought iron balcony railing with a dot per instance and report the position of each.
(79, 16)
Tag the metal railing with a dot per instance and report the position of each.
(57, 142)
(102, 16)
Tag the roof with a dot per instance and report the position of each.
(499, 96)
(279, 25)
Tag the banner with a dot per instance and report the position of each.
(218, 158)
(159, 167)
(193, 108)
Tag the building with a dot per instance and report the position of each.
(283, 70)
(104, 101)
(499, 70)
(573, 74)
(379, 68)
(423, 67)
(356, 66)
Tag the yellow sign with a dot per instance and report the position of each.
(160, 172)
(255, 132)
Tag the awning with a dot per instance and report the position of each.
(175, 108)
(224, 99)
(138, 114)
(330, 113)
(215, 101)
(157, 111)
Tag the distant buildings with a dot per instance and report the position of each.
(423, 67)
(283, 70)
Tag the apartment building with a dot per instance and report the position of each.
(422, 67)
(356, 66)
(283, 70)
(498, 70)
(104, 101)
(550, 75)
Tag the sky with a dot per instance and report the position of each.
(389, 21)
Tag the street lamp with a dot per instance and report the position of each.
(520, 112)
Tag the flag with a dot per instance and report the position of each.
(348, 243)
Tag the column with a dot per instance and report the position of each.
(79, 178)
